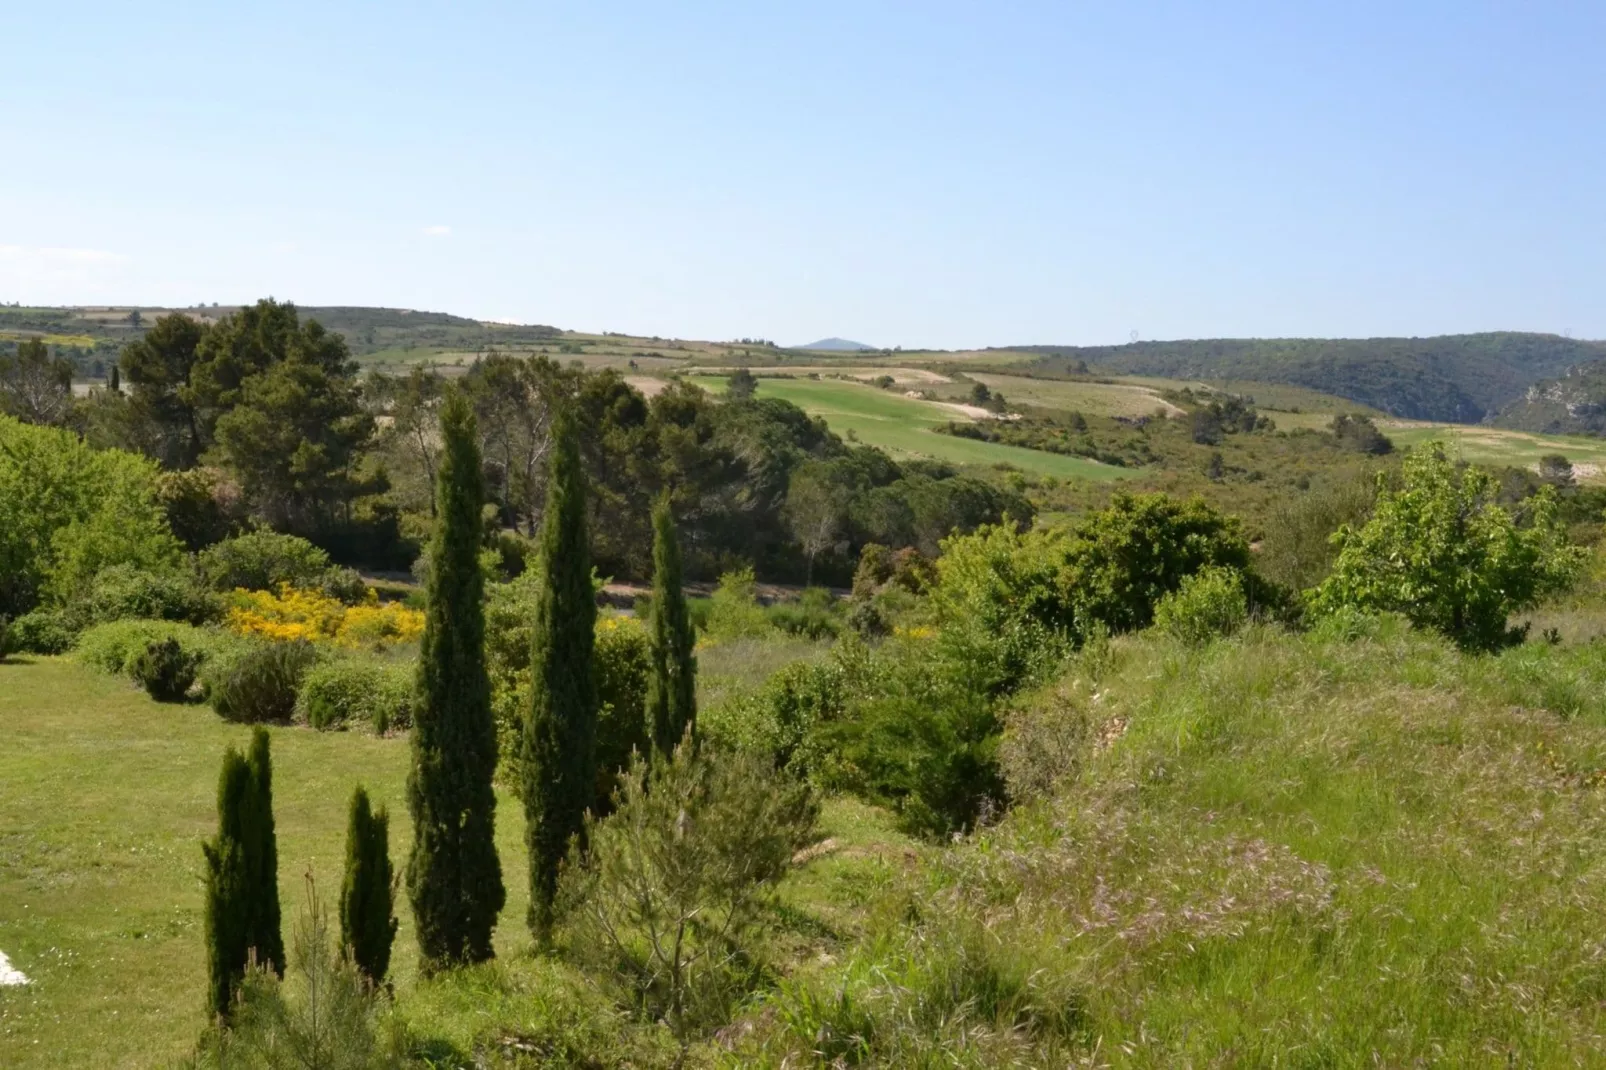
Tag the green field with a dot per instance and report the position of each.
(1496, 446)
(903, 426)
(1089, 399)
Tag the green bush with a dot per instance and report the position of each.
(780, 719)
(345, 691)
(1444, 553)
(124, 592)
(1208, 605)
(621, 662)
(257, 681)
(264, 560)
(672, 902)
(112, 647)
(813, 616)
(44, 631)
(5, 636)
(165, 669)
(734, 612)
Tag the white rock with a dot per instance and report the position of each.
(9, 976)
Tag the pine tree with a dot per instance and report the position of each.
(560, 733)
(242, 875)
(672, 688)
(454, 879)
(368, 894)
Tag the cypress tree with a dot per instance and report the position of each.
(367, 894)
(454, 879)
(242, 876)
(265, 935)
(672, 688)
(560, 732)
(227, 890)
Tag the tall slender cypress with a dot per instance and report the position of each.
(368, 892)
(672, 688)
(262, 859)
(560, 733)
(454, 879)
(242, 876)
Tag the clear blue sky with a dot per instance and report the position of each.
(917, 174)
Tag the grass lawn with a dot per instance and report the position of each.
(903, 426)
(107, 796)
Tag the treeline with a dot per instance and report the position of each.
(1459, 378)
(263, 418)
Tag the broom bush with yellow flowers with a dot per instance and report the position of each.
(293, 613)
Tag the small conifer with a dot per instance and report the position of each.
(368, 893)
(672, 688)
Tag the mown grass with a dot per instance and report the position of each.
(903, 427)
(1498, 446)
(105, 797)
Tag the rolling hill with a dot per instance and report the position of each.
(1572, 404)
(839, 345)
(1461, 378)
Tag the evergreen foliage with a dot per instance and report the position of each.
(672, 688)
(242, 876)
(559, 745)
(368, 892)
(454, 878)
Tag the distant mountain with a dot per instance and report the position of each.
(1459, 377)
(1574, 404)
(841, 345)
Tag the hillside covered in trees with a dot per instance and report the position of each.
(1461, 377)
(1574, 403)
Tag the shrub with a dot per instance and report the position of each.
(734, 612)
(257, 681)
(780, 719)
(5, 636)
(670, 904)
(1209, 604)
(813, 616)
(113, 647)
(621, 662)
(1441, 551)
(344, 691)
(124, 592)
(294, 613)
(265, 561)
(43, 631)
(165, 669)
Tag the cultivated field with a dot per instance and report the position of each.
(903, 426)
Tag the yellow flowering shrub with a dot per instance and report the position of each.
(293, 613)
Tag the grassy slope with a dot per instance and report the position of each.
(903, 425)
(1279, 851)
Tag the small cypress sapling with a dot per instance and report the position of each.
(560, 731)
(454, 879)
(672, 688)
(242, 879)
(227, 892)
(368, 892)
